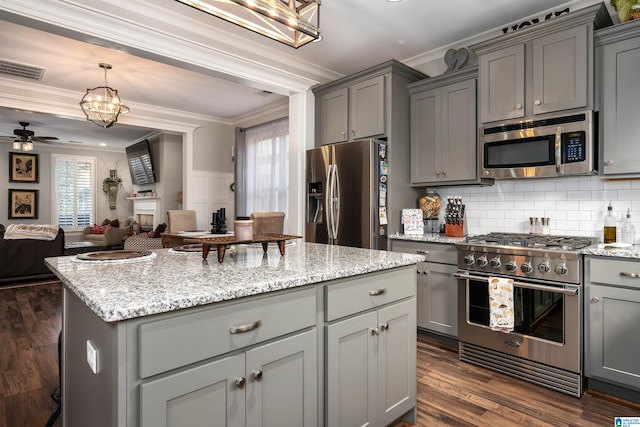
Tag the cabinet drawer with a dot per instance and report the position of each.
(443, 253)
(370, 291)
(614, 272)
(183, 339)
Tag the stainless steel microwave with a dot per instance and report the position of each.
(556, 146)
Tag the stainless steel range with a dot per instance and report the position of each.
(545, 346)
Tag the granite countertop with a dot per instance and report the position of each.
(168, 281)
(609, 250)
(427, 238)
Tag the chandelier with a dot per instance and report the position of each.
(102, 105)
(292, 22)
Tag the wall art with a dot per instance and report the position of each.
(23, 204)
(23, 167)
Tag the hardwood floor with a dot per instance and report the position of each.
(450, 392)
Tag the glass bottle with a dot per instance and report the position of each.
(628, 230)
(609, 226)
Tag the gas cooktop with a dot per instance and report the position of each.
(532, 241)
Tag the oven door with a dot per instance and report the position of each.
(547, 320)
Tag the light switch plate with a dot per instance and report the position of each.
(92, 356)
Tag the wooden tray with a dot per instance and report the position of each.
(222, 242)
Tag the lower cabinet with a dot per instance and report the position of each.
(371, 366)
(612, 313)
(437, 290)
(437, 298)
(271, 385)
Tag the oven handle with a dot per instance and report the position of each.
(555, 289)
(558, 150)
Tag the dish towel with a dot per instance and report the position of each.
(501, 312)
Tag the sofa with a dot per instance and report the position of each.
(23, 259)
(110, 234)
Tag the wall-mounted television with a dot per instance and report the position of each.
(140, 163)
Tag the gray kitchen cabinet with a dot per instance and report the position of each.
(612, 313)
(618, 62)
(437, 290)
(360, 106)
(353, 113)
(370, 348)
(371, 366)
(542, 69)
(443, 129)
(270, 385)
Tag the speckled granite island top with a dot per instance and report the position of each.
(173, 281)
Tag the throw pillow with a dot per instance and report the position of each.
(106, 222)
(99, 229)
(115, 223)
(1, 230)
(160, 229)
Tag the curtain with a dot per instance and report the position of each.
(262, 175)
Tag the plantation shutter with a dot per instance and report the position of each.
(74, 191)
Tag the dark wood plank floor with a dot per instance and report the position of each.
(450, 392)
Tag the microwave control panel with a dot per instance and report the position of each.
(574, 147)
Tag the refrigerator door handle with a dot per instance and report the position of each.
(336, 200)
(328, 198)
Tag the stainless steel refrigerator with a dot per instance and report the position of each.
(346, 194)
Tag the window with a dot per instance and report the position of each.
(74, 191)
(262, 173)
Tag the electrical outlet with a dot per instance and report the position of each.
(92, 357)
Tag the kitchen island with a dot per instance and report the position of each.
(324, 335)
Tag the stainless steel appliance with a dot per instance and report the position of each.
(346, 187)
(546, 345)
(556, 146)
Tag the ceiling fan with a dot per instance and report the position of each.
(24, 138)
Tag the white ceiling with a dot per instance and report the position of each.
(356, 34)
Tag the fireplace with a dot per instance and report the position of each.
(146, 212)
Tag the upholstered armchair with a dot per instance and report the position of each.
(268, 222)
(110, 237)
(181, 220)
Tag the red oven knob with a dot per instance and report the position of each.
(495, 262)
(468, 259)
(561, 269)
(511, 266)
(526, 268)
(481, 261)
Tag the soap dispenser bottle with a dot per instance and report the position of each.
(628, 230)
(609, 226)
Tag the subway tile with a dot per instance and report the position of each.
(590, 185)
(605, 194)
(617, 185)
(555, 195)
(545, 205)
(544, 186)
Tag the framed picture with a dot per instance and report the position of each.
(23, 204)
(23, 167)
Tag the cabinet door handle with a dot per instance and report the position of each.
(422, 252)
(631, 275)
(245, 328)
(377, 292)
(353, 132)
(595, 300)
(537, 102)
(344, 133)
(518, 106)
(384, 327)
(240, 382)
(608, 162)
(375, 331)
(257, 375)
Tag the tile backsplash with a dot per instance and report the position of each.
(576, 205)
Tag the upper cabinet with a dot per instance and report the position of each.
(360, 106)
(444, 130)
(354, 112)
(618, 62)
(542, 69)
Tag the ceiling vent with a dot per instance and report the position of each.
(21, 70)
